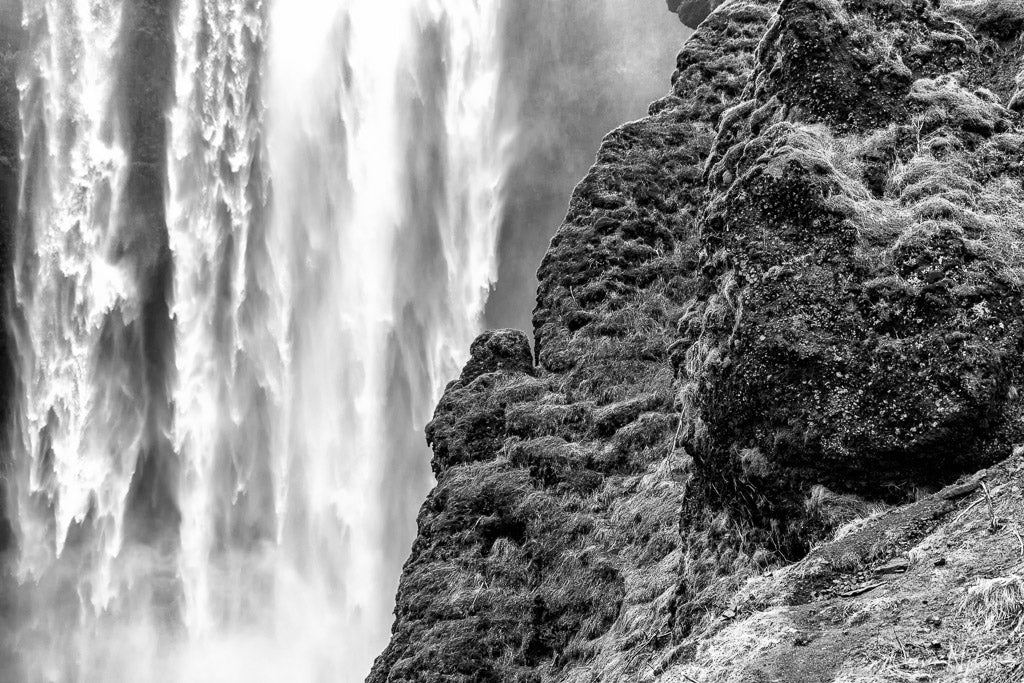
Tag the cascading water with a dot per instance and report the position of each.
(256, 238)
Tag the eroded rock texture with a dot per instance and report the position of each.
(788, 297)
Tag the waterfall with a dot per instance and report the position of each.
(256, 238)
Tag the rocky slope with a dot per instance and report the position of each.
(781, 320)
(930, 591)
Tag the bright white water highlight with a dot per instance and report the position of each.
(224, 381)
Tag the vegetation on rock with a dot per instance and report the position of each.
(787, 299)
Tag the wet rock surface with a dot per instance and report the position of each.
(788, 299)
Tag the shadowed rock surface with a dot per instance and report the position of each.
(787, 299)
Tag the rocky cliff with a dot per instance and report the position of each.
(777, 342)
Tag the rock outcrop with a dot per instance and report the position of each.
(692, 12)
(787, 299)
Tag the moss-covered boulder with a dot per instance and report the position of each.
(860, 323)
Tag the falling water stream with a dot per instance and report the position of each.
(256, 237)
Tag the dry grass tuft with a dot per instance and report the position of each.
(997, 602)
(835, 510)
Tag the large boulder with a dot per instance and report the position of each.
(692, 12)
(860, 325)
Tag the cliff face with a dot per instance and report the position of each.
(787, 299)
